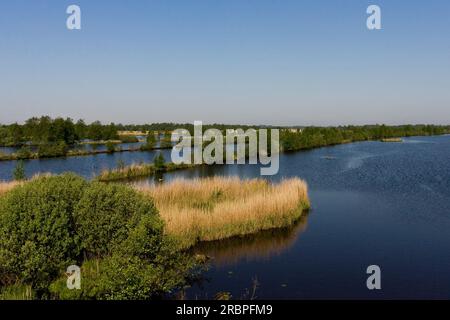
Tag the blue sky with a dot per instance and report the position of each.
(228, 61)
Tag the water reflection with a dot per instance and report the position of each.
(260, 246)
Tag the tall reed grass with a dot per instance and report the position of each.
(220, 207)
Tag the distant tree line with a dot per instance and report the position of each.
(313, 137)
(54, 136)
(45, 130)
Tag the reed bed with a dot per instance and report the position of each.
(218, 208)
(137, 170)
(392, 140)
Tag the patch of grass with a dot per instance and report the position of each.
(220, 207)
(137, 170)
(17, 292)
(392, 140)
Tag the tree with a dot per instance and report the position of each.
(151, 140)
(110, 147)
(159, 161)
(19, 171)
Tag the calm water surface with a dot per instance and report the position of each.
(372, 203)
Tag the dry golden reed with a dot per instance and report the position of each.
(7, 186)
(220, 207)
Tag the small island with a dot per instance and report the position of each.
(392, 140)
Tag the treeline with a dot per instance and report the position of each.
(45, 130)
(54, 136)
(313, 137)
(170, 126)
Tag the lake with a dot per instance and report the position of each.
(378, 203)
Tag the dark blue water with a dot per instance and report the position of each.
(378, 203)
(86, 166)
(372, 203)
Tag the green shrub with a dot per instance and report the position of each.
(24, 153)
(19, 171)
(159, 161)
(106, 213)
(110, 230)
(147, 264)
(110, 147)
(37, 238)
(52, 150)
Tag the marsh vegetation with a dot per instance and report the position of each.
(223, 207)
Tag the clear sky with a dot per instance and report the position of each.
(282, 62)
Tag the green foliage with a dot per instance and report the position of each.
(313, 137)
(45, 130)
(159, 161)
(110, 147)
(24, 153)
(52, 150)
(166, 141)
(124, 277)
(111, 231)
(150, 142)
(37, 238)
(19, 171)
(151, 139)
(106, 213)
(17, 292)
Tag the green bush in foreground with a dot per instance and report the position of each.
(113, 233)
(106, 213)
(37, 235)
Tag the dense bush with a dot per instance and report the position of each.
(52, 150)
(159, 161)
(24, 153)
(106, 213)
(37, 238)
(111, 231)
(110, 147)
(145, 265)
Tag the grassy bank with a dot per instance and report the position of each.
(392, 140)
(138, 170)
(72, 153)
(218, 208)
